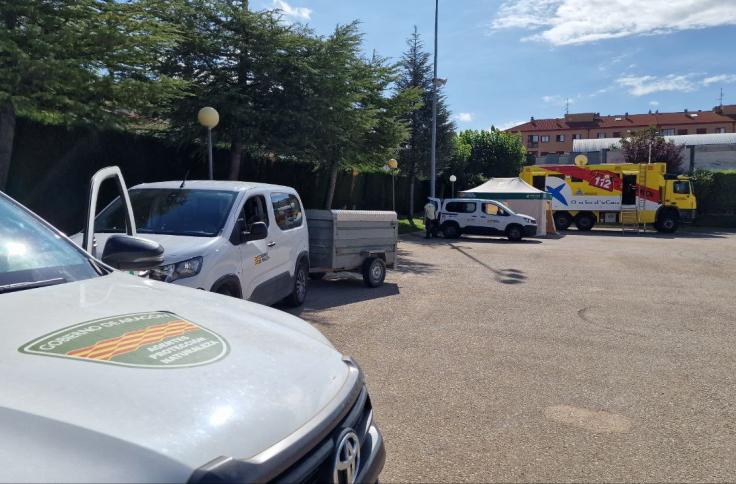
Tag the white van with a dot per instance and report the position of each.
(483, 217)
(241, 239)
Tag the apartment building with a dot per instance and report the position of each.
(555, 136)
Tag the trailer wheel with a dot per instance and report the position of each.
(563, 220)
(667, 222)
(585, 221)
(374, 271)
(316, 276)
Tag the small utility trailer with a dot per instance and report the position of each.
(352, 241)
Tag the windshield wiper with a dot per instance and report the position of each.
(20, 286)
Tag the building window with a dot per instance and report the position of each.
(545, 139)
(560, 138)
(681, 132)
(601, 135)
(576, 136)
(701, 131)
(668, 132)
(720, 130)
(533, 138)
(616, 134)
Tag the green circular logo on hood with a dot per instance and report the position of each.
(157, 339)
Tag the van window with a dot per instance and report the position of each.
(681, 187)
(490, 209)
(460, 207)
(287, 211)
(254, 210)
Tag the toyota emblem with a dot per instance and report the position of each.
(347, 458)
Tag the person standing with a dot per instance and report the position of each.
(430, 219)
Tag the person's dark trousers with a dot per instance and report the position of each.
(428, 228)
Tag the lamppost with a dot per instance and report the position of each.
(209, 117)
(391, 166)
(453, 179)
(436, 83)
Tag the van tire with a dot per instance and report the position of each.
(667, 222)
(451, 230)
(374, 271)
(299, 289)
(563, 220)
(585, 221)
(228, 286)
(514, 232)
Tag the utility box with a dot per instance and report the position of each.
(352, 240)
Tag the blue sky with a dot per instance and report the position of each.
(507, 60)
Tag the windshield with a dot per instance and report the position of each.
(170, 211)
(506, 208)
(33, 255)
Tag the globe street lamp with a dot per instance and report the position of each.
(209, 117)
(453, 179)
(391, 166)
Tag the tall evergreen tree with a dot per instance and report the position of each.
(416, 73)
(82, 61)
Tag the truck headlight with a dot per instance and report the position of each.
(179, 270)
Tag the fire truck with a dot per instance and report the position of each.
(626, 194)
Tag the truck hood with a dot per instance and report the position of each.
(177, 248)
(159, 407)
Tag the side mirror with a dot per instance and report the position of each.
(258, 231)
(132, 253)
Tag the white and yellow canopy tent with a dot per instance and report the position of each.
(520, 197)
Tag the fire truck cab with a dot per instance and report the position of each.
(611, 193)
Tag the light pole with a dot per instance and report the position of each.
(391, 166)
(433, 169)
(453, 179)
(209, 117)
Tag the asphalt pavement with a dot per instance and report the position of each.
(592, 357)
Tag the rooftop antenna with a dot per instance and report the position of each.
(567, 106)
(720, 99)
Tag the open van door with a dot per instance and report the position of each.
(125, 252)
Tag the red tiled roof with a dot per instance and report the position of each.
(627, 122)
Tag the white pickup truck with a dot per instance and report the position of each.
(109, 377)
(241, 239)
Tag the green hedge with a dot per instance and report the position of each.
(716, 194)
(52, 166)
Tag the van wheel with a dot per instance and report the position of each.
(667, 222)
(563, 220)
(451, 231)
(225, 291)
(299, 291)
(514, 233)
(374, 271)
(585, 222)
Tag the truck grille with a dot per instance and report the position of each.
(318, 464)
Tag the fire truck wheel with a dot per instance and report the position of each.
(514, 233)
(563, 220)
(451, 230)
(667, 222)
(585, 221)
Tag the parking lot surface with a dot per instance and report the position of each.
(593, 357)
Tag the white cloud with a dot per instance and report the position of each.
(720, 79)
(298, 13)
(464, 117)
(508, 124)
(569, 22)
(557, 100)
(643, 85)
(654, 103)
